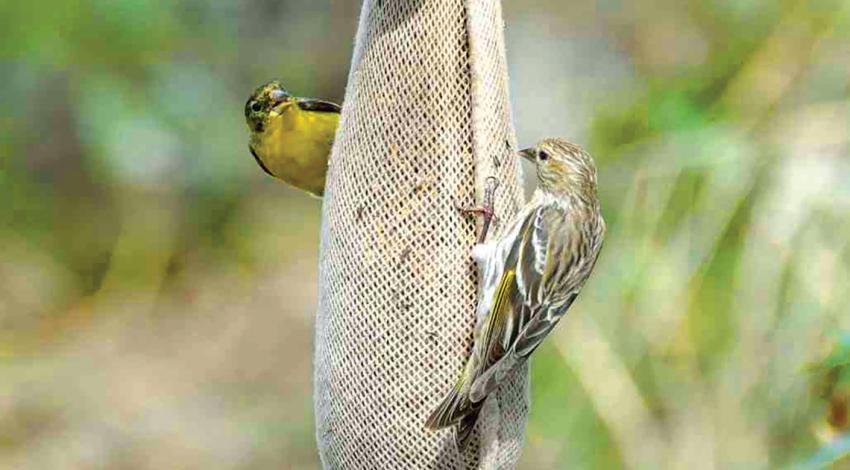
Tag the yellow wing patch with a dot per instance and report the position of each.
(493, 335)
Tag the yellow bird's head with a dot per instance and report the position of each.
(265, 100)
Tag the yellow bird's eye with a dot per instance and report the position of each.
(256, 106)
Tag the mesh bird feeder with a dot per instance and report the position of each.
(426, 121)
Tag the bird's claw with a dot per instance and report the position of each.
(482, 211)
(486, 210)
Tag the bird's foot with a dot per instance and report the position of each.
(485, 211)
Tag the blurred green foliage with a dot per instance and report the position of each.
(152, 279)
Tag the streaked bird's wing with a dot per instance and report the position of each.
(456, 408)
(309, 104)
(539, 327)
(524, 267)
(550, 270)
(572, 249)
(507, 316)
(492, 339)
(491, 343)
(534, 249)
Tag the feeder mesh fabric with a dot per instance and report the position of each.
(426, 120)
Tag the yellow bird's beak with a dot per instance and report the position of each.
(280, 100)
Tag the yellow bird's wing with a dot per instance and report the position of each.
(260, 161)
(310, 104)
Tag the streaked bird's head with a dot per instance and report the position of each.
(563, 169)
(265, 99)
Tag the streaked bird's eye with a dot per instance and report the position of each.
(543, 155)
(256, 106)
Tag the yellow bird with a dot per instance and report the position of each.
(291, 137)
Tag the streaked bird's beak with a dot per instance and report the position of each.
(529, 154)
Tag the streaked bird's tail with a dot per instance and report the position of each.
(464, 428)
(456, 409)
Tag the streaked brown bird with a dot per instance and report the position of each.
(530, 277)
